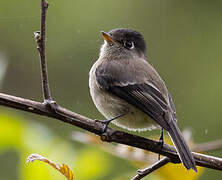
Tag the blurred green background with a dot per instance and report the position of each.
(184, 42)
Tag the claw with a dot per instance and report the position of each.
(106, 122)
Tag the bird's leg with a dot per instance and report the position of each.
(161, 141)
(107, 121)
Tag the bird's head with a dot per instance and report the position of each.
(123, 42)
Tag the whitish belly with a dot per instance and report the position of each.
(111, 106)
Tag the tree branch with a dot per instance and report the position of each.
(208, 146)
(146, 171)
(141, 173)
(111, 135)
(40, 40)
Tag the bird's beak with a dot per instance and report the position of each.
(107, 37)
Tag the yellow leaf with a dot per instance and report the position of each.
(63, 169)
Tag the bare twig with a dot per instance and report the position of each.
(40, 39)
(209, 146)
(144, 172)
(111, 135)
(204, 147)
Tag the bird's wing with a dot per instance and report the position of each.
(136, 87)
(140, 85)
(172, 107)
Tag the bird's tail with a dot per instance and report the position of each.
(181, 146)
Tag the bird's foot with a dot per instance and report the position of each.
(107, 121)
(161, 141)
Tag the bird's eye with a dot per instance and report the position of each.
(129, 44)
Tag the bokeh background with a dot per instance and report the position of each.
(184, 42)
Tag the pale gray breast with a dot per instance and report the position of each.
(109, 105)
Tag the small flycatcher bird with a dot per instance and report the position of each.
(126, 89)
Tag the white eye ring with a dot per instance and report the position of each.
(129, 44)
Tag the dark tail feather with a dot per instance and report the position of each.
(181, 146)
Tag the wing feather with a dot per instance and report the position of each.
(144, 95)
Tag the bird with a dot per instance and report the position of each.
(127, 90)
